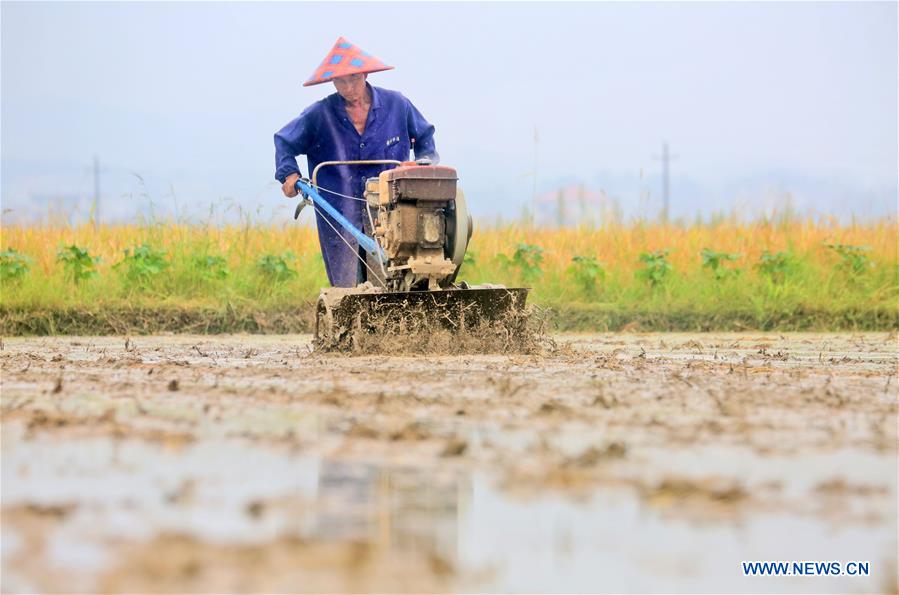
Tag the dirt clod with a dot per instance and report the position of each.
(593, 455)
(454, 448)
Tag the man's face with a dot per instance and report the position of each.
(351, 87)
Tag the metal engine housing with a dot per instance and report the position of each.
(419, 217)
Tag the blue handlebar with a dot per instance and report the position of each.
(368, 244)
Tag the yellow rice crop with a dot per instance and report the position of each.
(819, 284)
(617, 247)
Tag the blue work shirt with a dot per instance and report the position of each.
(324, 132)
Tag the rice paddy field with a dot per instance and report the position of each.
(211, 460)
(731, 276)
(625, 462)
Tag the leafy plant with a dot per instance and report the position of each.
(526, 259)
(716, 263)
(656, 267)
(587, 271)
(470, 258)
(13, 266)
(276, 267)
(79, 264)
(777, 267)
(211, 267)
(142, 264)
(854, 259)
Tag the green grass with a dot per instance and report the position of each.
(774, 276)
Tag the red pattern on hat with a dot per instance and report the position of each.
(343, 59)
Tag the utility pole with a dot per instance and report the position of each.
(666, 159)
(96, 192)
(534, 187)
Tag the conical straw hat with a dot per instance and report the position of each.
(343, 59)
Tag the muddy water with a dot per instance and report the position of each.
(619, 463)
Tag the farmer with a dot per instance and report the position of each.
(359, 122)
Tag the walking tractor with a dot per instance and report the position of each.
(413, 244)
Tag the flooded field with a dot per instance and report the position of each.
(616, 463)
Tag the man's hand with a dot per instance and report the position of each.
(289, 187)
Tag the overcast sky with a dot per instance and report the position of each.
(756, 99)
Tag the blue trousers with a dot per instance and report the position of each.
(340, 251)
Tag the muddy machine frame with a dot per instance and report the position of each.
(414, 237)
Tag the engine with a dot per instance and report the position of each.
(419, 217)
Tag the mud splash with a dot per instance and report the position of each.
(454, 323)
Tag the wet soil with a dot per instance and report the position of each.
(634, 462)
(483, 321)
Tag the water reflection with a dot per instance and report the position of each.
(612, 541)
(397, 508)
(231, 492)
